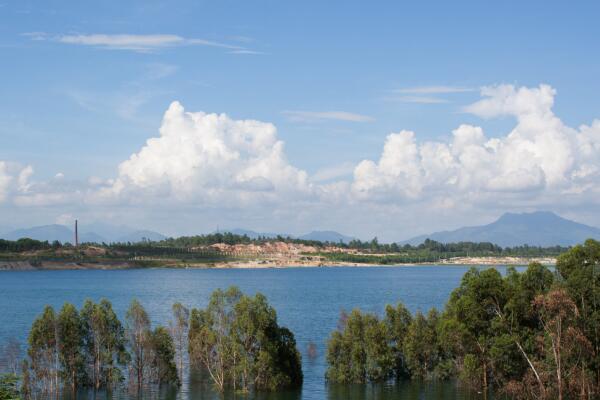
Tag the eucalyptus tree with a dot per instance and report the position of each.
(43, 352)
(471, 314)
(104, 342)
(397, 321)
(580, 270)
(179, 327)
(164, 369)
(139, 342)
(152, 352)
(238, 342)
(421, 344)
(10, 355)
(70, 345)
(210, 343)
(360, 352)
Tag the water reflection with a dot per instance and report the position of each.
(403, 390)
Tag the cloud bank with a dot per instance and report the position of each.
(540, 156)
(211, 160)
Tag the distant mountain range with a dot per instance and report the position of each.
(540, 228)
(322, 236)
(108, 233)
(102, 232)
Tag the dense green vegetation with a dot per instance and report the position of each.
(237, 340)
(530, 335)
(195, 249)
(24, 244)
(73, 349)
(9, 387)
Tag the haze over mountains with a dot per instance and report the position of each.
(102, 232)
(540, 228)
(97, 233)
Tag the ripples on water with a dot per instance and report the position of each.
(307, 300)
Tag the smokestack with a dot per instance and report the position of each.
(76, 235)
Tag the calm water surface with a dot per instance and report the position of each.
(307, 300)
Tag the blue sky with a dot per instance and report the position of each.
(85, 85)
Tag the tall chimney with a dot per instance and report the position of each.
(76, 235)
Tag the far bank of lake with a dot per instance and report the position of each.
(48, 265)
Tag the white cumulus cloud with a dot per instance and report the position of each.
(539, 156)
(14, 179)
(209, 159)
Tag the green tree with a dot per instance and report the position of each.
(163, 357)
(139, 342)
(361, 351)
(70, 345)
(43, 352)
(580, 270)
(104, 338)
(210, 342)
(473, 308)
(397, 321)
(179, 330)
(237, 340)
(9, 387)
(421, 344)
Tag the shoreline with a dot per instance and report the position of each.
(260, 264)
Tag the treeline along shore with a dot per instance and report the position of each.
(226, 250)
(523, 335)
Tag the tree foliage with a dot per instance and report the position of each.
(238, 342)
(89, 348)
(530, 335)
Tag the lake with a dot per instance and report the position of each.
(308, 301)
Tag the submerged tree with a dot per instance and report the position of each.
(470, 314)
(398, 320)
(137, 323)
(179, 327)
(238, 342)
(104, 338)
(43, 352)
(360, 352)
(529, 335)
(421, 345)
(10, 356)
(89, 349)
(70, 345)
(163, 357)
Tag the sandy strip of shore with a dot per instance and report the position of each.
(259, 264)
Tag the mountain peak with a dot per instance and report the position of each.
(539, 228)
